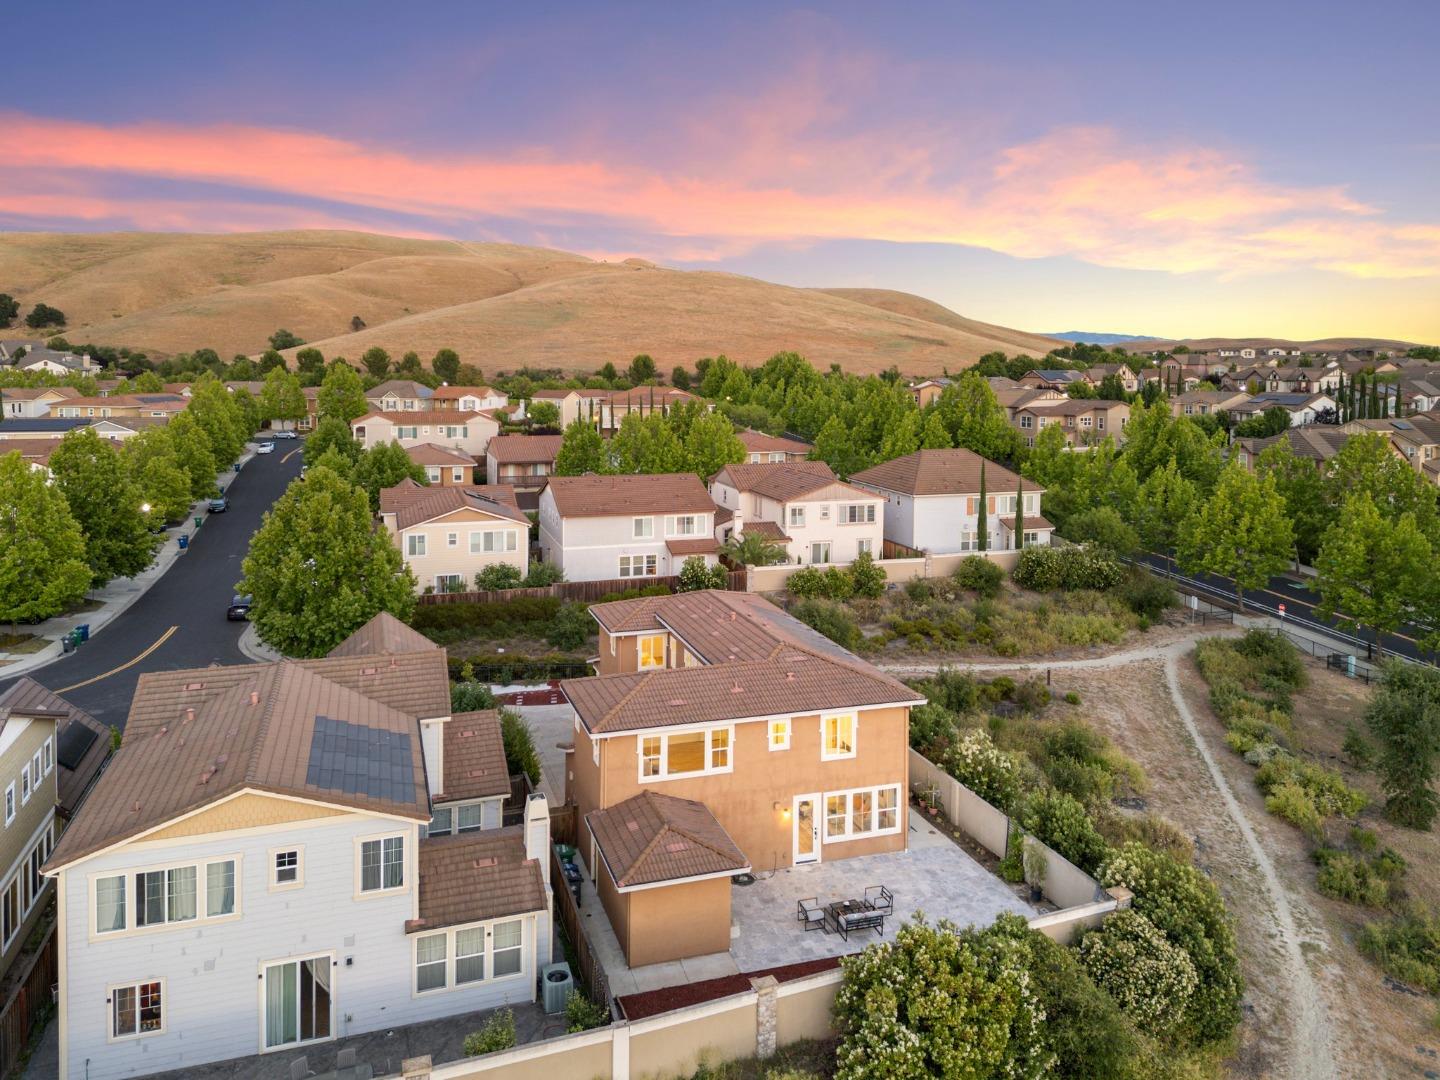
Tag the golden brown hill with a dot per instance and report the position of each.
(499, 305)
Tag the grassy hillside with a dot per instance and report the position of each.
(498, 305)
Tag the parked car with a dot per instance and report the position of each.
(220, 505)
(265, 448)
(283, 435)
(239, 608)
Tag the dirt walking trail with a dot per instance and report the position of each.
(1311, 1056)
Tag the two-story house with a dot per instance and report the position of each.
(643, 400)
(33, 401)
(933, 502)
(444, 465)
(468, 432)
(29, 725)
(447, 535)
(400, 395)
(600, 527)
(524, 462)
(1054, 379)
(818, 519)
(1084, 421)
(1302, 408)
(468, 398)
(1098, 373)
(121, 406)
(264, 867)
(723, 736)
(761, 448)
(927, 390)
(1206, 402)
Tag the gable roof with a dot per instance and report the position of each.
(939, 472)
(426, 417)
(453, 393)
(1071, 407)
(649, 838)
(474, 876)
(81, 742)
(778, 480)
(382, 635)
(35, 393)
(474, 758)
(35, 451)
(430, 453)
(623, 496)
(400, 388)
(413, 503)
(757, 442)
(523, 449)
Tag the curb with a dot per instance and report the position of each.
(251, 645)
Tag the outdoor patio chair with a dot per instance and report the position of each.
(345, 1059)
(810, 914)
(879, 898)
(300, 1069)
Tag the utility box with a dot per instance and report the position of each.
(556, 984)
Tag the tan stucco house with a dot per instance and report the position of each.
(447, 535)
(817, 518)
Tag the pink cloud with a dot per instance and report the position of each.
(1082, 192)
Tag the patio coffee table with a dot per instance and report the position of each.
(847, 915)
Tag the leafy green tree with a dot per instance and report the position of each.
(754, 549)
(1404, 716)
(447, 365)
(269, 361)
(9, 308)
(376, 361)
(105, 502)
(941, 1001)
(641, 370)
(284, 339)
(1104, 526)
(42, 315)
(975, 420)
(310, 363)
(42, 550)
(542, 413)
(249, 410)
(903, 438)
(1367, 463)
(147, 382)
(212, 405)
(1273, 421)
(282, 398)
(156, 468)
(680, 378)
(647, 444)
(933, 435)
(385, 465)
(696, 575)
(195, 453)
(332, 433)
(710, 444)
(1301, 486)
(582, 451)
(1372, 572)
(1162, 505)
(318, 569)
(342, 394)
(835, 445)
(1241, 532)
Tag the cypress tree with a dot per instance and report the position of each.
(1340, 399)
(1374, 398)
(983, 533)
(1020, 515)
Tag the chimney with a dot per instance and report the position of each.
(537, 832)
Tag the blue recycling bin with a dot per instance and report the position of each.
(184, 541)
(84, 631)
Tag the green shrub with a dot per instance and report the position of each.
(1150, 978)
(1359, 749)
(470, 696)
(1186, 907)
(1407, 946)
(582, 1014)
(695, 575)
(498, 576)
(932, 729)
(918, 590)
(839, 585)
(1325, 787)
(1291, 802)
(571, 627)
(1072, 698)
(1047, 569)
(1274, 655)
(807, 582)
(985, 769)
(520, 755)
(979, 575)
(1012, 866)
(830, 619)
(447, 623)
(1105, 528)
(1347, 878)
(1145, 594)
(497, 1034)
(867, 578)
(1061, 821)
(542, 574)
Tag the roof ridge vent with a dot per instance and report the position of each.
(488, 861)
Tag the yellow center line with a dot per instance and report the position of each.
(129, 663)
(291, 454)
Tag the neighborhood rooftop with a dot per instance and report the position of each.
(938, 472)
(412, 503)
(618, 496)
(650, 838)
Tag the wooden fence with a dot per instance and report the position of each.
(32, 997)
(893, 549)
(564, 824)
(586, 592)
(590, 973)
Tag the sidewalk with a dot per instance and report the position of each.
(116, 596)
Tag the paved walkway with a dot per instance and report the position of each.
(550, 726)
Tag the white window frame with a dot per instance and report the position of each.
(48, 750)
(335, 1014)
(825, 721)
(500, 541)
(25, 784)
(110, 992)
(362, 893)
(663, 756)
(443, 963)
(865, 546)
(432, 473)
(487, 955)
(442, 581)
(777, 733)
(642, 528)
(131, 898)
(640, 642)
(649, 564)
(796, 517)
(829, 552)
(273, 870)
(683, 525)
(10, 808)
(415, 545)
(852, 800)
(452, 539)
(857, 514)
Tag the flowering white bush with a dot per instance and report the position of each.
(985, 769)
(1132, 961)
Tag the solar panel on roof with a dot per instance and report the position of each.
(75, 741)
(1403, 425)
(358, 760)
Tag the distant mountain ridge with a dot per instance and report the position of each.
(1091, 338)
(500, 306)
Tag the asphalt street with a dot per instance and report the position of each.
(180, 622)
(1299, 602)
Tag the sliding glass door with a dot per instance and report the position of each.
(297, 1001)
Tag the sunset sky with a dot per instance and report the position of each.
(1216, 169)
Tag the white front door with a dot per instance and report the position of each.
(806, 817)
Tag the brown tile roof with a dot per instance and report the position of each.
(82, 742)
(622, 496)
(938, 472)
(641, 396)
(422, 417)
(474, 758)
(382, 635)
(769, 529)
(434, 454)
(757, 442)
(33, 393)
(704, 546)
(293, 728)
(475, 876)
(1074, 406)
(523, 449)
(413, 503)
(452, 393)
(723, 514)
(650, 838)
(36, 450)
(1032, 521)
(778, 480)
(400, 388)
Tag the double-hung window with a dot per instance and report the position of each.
(137, 1009)
(48, 752)
(433, 474)
(285, 868)
(430, 953)
(837, 736)
(505, 948)
(642, 528)
(685, 525)
(857, 513)
(9, 803)
(440, 821)
(685, 753)
(633, 566)
(780, 734)
(382, 864)
(490, 541)
(469, 955)
(415, 544)
(797, 516)
(25, 783)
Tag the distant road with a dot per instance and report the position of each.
(1299, 601)
(180, 621)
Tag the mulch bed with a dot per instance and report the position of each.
(654, 1002)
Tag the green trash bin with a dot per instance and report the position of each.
(198, 521)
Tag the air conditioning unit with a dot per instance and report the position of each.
(556, 984)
